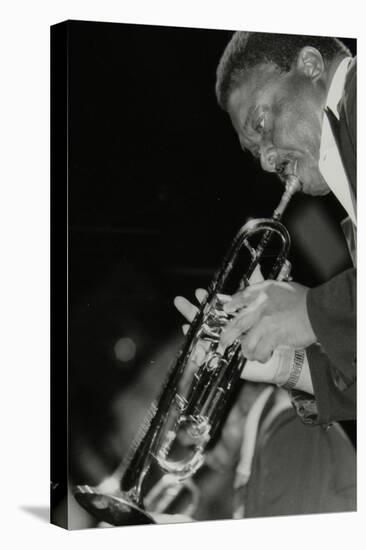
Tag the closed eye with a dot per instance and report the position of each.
(259, 124)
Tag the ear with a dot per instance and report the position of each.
(310, 63)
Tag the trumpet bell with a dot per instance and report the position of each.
(116, 510)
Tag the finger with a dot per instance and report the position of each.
(258, 344)
(201, 294)
(184, 307)
(243, 321)
(245, 297)
(233, 330)
(261, 353)
(249, 316)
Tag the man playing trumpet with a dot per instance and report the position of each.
(292, 99)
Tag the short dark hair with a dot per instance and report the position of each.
(248, 49)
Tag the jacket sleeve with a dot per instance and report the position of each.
(333, 400)
(332, 314)
(332, 360)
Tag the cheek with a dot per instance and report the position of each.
(296, 119)
(297, 129)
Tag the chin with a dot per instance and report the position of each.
(314, 185)
(315, 190)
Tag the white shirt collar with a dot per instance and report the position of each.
(330, 162)
(336, 89)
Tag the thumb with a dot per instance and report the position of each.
(184, 307)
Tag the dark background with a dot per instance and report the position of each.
(158, 186)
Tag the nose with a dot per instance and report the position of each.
(268, 158)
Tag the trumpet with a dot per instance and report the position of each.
(190, 411)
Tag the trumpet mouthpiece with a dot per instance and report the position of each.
(292, 186)
(288, 174)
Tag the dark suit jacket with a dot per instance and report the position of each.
(332, 306)
(294, 470)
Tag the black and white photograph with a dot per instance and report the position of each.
(180, 314)
(204, 195)
(182, 324)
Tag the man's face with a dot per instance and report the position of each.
(278, 118)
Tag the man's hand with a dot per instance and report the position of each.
(187, 309)
(253, 371)
(269, 315)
